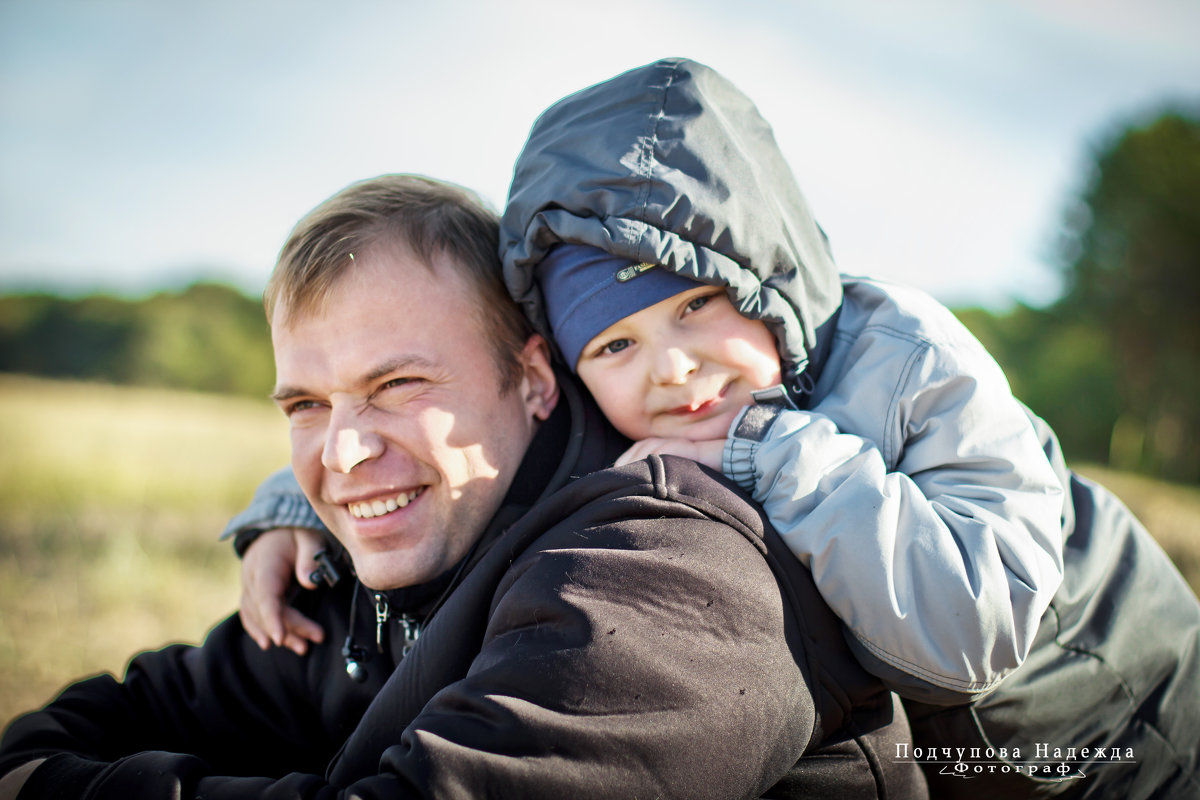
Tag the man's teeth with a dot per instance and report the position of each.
(377, 508)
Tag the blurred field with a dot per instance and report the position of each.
(111, 500)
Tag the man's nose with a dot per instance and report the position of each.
(673, 365)
(349, 443)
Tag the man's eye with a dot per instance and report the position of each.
(408, 383)
(300, 405)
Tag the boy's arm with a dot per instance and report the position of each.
(277, 503)
(274, 563)
(277, 537)
(941, 559)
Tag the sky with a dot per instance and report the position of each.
(146, 144)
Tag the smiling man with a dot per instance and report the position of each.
(630, 633)
(403, 436)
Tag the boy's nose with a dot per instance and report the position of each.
(672, 366)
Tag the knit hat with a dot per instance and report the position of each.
(586, 290)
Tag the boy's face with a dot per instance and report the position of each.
(681, 368)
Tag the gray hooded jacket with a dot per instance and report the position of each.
(928, 503)
(935, 538)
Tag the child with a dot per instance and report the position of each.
(941, 556)
(654, 231)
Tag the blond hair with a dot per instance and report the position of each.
(429, 218)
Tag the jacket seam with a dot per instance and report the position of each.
(935, 678)
(891, 431)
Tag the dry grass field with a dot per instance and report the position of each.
(111, 500)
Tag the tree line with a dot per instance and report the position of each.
(208, 337)
(1113, 365)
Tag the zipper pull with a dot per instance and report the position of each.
(412, 630)
(382, 612)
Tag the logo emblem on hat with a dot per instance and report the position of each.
(632, 271)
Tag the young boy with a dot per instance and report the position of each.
(941, 556)
(655, 232)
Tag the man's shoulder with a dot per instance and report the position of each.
(657, 487)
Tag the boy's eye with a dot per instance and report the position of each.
(615, 346)
(696, 303)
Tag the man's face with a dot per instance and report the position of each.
(401, 437)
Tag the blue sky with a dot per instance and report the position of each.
(146, 143)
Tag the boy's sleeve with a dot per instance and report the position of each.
(939, 548)
(277, 503)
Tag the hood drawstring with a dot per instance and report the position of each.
(802, 386)
(354, 655)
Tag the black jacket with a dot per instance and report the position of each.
(637, 633)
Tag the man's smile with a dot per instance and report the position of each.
(384, 504)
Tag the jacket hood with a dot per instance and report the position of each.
(670, 163)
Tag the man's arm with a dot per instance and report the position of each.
(10, 784)
(225, 708)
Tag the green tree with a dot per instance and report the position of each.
(1062, 368)
(46, 335)
(1133, 274)
(208, 337)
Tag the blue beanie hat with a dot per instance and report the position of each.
(586, 290)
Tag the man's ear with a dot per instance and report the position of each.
(539, 386)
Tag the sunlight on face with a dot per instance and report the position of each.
(402, 438)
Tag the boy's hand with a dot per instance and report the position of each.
(267, 569)
(707, 452)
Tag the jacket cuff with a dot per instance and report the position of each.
(278, 503)
(747, 431)
(62, 775)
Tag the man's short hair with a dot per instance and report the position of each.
(427, 217)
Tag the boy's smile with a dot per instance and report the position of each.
(681, 368)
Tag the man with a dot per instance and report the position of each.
(634, 632)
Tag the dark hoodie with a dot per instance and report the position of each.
(636, 633)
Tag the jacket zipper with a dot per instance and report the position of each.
(408, 624)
